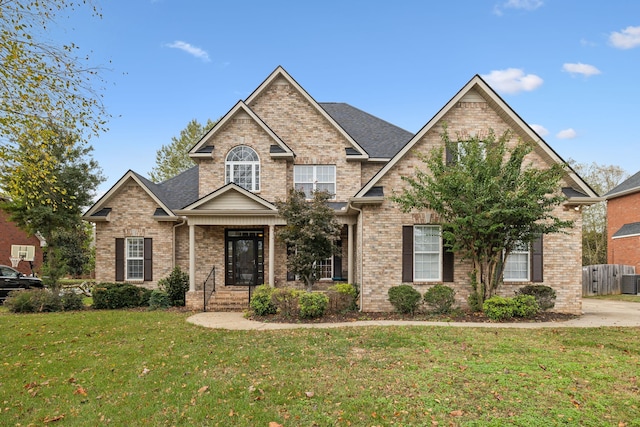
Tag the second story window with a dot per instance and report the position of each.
(242, 167)
(310, 178)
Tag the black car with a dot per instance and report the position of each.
(12, 280)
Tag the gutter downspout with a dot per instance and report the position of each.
(360, 241)
(173, 242)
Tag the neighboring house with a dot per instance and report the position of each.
(12, 235)
(219, 220)
(623, 223)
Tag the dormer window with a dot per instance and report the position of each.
(242, 167)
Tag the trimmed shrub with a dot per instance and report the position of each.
(286, 301)
(175, 286)
(440, 298)
(71, 301)
(159, 300)
(119, 295)
(342, 297)
(499, 308)
(525, 306)
(312, 304)
(545, 295)
(474, 302)
(404, 298)
(19, 302)
(261, 301)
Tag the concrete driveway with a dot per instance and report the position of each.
(596, 313)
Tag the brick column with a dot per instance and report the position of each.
(272, 255)
(350, 253)
(192, 258)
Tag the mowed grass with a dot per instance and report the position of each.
(153, 368)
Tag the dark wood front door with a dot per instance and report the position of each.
(244, 254)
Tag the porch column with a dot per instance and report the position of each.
(272, 255)
(192, 257)
(350, 253)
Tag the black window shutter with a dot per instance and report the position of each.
(119, 260)
(447, 265)
(290, 276)
(537, 261)
(148, 259)
(337, 261)
(407, 253)
(448, 155)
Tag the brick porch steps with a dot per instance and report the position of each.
(227, 298)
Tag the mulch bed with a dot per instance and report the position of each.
(458, 316)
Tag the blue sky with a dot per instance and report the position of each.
(569, 68)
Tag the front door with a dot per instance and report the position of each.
(244, 254)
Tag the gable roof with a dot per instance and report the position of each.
(202, 149)
(378, 137)
(475, 89)
(230, 197)
(629, 186)
(359, 152)
(627, 230)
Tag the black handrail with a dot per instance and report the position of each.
(207, 295)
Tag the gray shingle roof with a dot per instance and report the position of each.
(631, 229)
(630, 184)
(378, 137)
(176, 192)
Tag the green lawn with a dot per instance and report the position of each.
(153, 368)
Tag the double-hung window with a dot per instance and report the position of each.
(310, 178)
(134, 251)
(242, 167)
(427, 252)
(517, 265)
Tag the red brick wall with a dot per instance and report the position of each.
(620, 211)
(10, 234)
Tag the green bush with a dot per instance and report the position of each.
(312, 304)
(499, 308)
(261, 301)
(159, 299)
(176, 286)
(545, 295)
(404, 298)
(525, 306)
(342, 297)
(474, 302)
(440, 298)
(286, 301)
(19, 302)
(71, 301)
(119, 295)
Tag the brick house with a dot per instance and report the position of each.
(623, 223)
(218, 218)
(12, 235)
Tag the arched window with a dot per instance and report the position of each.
(242, 167)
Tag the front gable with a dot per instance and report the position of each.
(474, 110)
(229, 199)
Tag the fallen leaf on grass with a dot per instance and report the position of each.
(457, 413)
(203, 389)
(274, 424)
(309, 394)
(48, 419)
(80, 390)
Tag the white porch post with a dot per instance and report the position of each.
(272, 255)
(350, 253)
(192, 257)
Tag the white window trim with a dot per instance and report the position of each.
(415, 275)
(528, 278)
(128, 258)
(330, 262)
(255, 169)
(314, 180)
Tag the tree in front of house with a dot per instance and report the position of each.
(52, 203)
(173, 158)
(602, 178)
(489, 202)
(311, 233)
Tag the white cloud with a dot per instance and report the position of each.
(626, 39)
(580, 68)
(540, 130)
(567, 134)
(517, 4)
(190, 49)
(512, 80)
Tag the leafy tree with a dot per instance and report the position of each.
(74, 251)
(171, 159)
(310, 234)
(43, 84)
(602, 178)
(488, 201)
(53, 204)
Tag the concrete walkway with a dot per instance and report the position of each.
(596, 313)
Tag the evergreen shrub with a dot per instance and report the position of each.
(404, 298)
